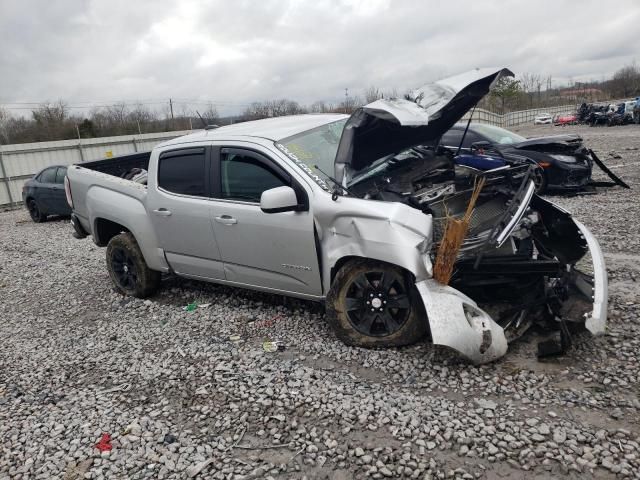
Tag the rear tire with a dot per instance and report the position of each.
(127, 268)
(35, 212)
(375, 304)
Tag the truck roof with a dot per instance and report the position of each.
(274, 129)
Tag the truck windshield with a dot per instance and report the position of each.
(315, 147)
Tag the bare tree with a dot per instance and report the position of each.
(140, 117)
(372, 94)
(210, 114)
(50, 114)
(321, 107)
(626, 81)
(392, 93)
(349, 104)
(4, 125)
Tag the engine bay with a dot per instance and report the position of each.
(519, 256)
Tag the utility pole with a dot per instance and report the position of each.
(346, 100)
(171, 108)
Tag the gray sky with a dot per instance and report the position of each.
(237, 51)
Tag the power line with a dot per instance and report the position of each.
(35, 105)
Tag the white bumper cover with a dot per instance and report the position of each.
(596, 321)
(456, 322)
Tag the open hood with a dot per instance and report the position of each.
(391, 126)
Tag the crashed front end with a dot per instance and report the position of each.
(524, 259)
(539, 267)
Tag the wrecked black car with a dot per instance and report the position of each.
(565, 164)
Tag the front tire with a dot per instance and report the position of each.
(540, 180)
(35, 212)
(127, 268)
(375, 304)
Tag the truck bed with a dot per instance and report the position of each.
(100, 187)
(119, 166)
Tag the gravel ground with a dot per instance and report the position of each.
(186, 394)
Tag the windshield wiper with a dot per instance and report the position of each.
(336, 185)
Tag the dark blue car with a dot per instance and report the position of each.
(43, 195)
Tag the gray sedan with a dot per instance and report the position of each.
(43, 195)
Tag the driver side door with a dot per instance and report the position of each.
(271, 251)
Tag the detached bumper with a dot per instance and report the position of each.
(456, 322)
(595, 288)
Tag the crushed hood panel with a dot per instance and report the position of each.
(385, 127)
(572, 141)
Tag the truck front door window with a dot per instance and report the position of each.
(183, 173)
(245, 178)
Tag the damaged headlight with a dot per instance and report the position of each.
(564, 158)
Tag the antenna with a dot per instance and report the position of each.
(204, 124)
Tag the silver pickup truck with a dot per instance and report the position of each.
(349, 211)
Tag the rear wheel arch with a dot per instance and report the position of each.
(105, 229)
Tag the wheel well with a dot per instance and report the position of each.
(105, 230)
(342, 261)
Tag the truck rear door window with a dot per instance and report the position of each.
(183, 172)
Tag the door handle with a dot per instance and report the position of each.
(226, 220)
(162, 212)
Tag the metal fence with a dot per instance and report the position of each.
(19, 162)
(520, 117)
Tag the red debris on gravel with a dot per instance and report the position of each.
(104, 445)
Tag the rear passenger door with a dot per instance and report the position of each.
(179, 204)
(274, 251)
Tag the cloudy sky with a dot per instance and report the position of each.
(92, 52)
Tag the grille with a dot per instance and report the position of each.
(483, 218)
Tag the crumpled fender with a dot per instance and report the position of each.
(456, 322)
(596, 321)
(387, 231)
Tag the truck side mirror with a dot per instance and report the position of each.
(279, 199)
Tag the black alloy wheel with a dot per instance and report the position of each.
(377, 303)
(127, 267)
(124, 269)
